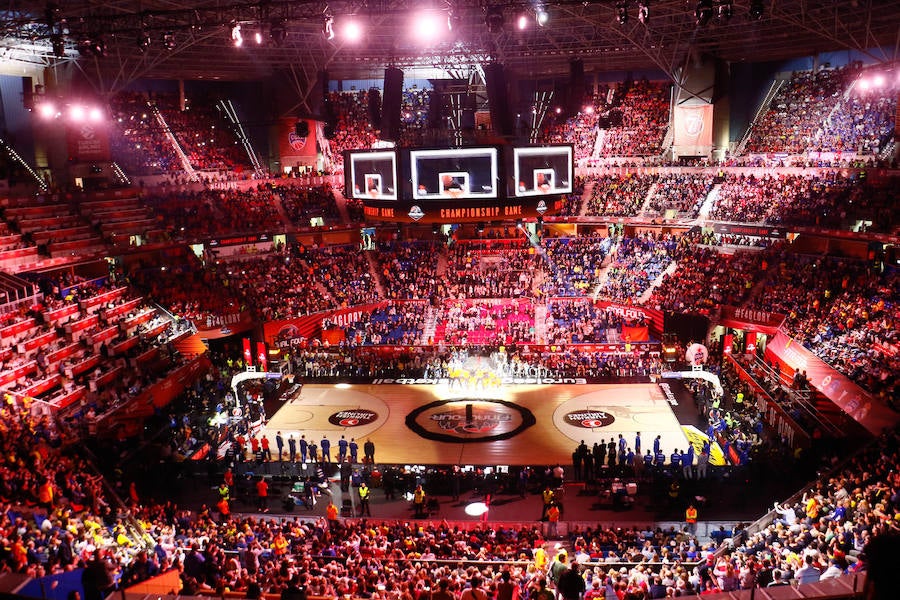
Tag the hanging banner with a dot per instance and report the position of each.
(654, 318)
(261, 356)
(728, 343)
(87, 142)
(750, 319)
(248, 353)
(750, 346)
(693, 129)
(297, 142)
(639, 333)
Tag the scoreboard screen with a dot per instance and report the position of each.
(466, 173)
(538, 171)
(370, 175)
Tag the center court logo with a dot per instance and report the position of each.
(353, 418)
(469, 420)
(589, 419)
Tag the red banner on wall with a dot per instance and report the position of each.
(87, 142)
(728, 343)
(654, 318)
(296, 142)
(295, 332)
(851, 398)
(750, 319)
(750, 346)
(635, 333)
(248, 353)
(261, 359)
(693, 127)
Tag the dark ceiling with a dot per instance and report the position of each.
(200, 43)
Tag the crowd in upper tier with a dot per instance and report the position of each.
(352, 124)
(152, 131)
(637, 121)
(847, 110)
(829, 110)
(827, 198)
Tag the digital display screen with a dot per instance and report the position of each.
(468, 173)
(542, 170)
(371, 175)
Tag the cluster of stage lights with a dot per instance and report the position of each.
(277, 33)
(425, 26)
(877, 81)
(704, 11)
(75, 113)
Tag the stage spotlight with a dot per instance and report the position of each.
(236, 37)
(757, 8)
(494, 19)
(47, 110)
(621, 13)
(864, 84)
(258, 38)
(522, 21)
(92, 47)
(169, 41)
(453, 21)
(476, 509)
(428, 26)
(95, 114)
(352, 31)
(541, 16)
(704, 12)
(879, 81)
(644, 11)
(725, 10)
(76, 113)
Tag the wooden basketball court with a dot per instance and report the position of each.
(440, 424)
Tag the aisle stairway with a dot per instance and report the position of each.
(375, 272)
(604, 272)
(650, 193)
(429, 325)
(649, 291)
(588, 190)
(179, 152)
(710, 201)
(540, 324)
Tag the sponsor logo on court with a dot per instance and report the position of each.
(589, 419)
(353, 418)
(469, 420)
(667, 392)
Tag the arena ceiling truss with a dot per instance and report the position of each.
(115, 42)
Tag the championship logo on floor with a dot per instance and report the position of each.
(469, 420)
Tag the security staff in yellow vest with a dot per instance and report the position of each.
(690, 517)
(419, 502)
(364, 500)
(547, 496)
